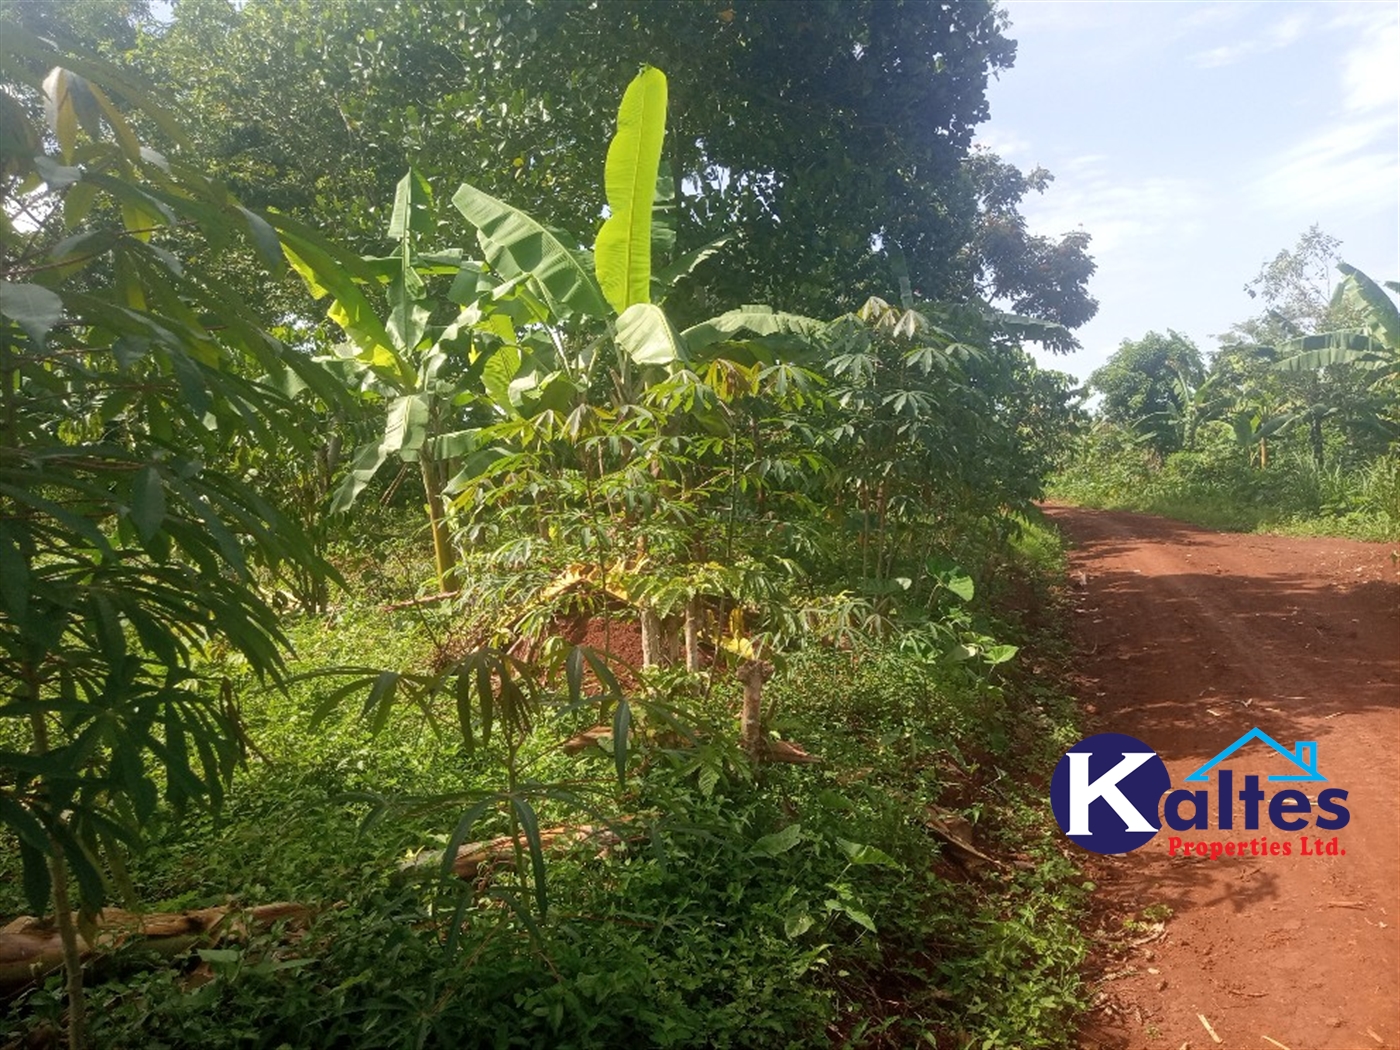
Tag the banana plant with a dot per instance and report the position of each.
(550, 341)
(612, 299)
(1258, 421)
(618, 283)
(1374, 344)
(1196, 404)
(421, 374)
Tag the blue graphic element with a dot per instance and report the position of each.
(1303, 755)
(1105, 793)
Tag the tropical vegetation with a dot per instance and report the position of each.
(1292, 424)
(518, 523)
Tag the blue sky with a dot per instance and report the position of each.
(1196, 140)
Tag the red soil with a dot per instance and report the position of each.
(1187, 640)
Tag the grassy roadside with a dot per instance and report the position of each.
(1214, 488)
(812, 905)
(1223, 515)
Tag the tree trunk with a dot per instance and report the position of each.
(753, 675)
(72, 956)
(692, 634)
(671, 629)
(444, 553)
(58, 875)
(653, 645)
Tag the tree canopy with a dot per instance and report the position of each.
(830, 141)
(1141, 382)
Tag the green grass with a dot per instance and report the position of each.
(808, 907)
(1217, 486)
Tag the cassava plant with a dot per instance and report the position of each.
(130, 542)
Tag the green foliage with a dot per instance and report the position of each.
(1219, 486)
(1146, 385)
(1294, 427)
(1313, 361)
(1373, 344)
(734, 912)
(130, 539)
(129, 378)
(839, 498)
(806, 131)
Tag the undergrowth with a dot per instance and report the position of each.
(1218, 485)
(793, 906)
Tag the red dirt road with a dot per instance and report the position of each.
(1187, 640)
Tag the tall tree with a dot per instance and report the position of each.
(1296, 289)
(824, 135)
(1141, 385)
(1040, 276)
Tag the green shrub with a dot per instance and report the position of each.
(1219, 484)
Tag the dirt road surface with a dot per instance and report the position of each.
(1188, 639)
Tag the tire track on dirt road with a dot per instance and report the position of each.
(1188, 639)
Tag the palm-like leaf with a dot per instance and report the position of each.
(755, 320)
(622, 255)
(516, 244)
(1373, 346)
(646, 335)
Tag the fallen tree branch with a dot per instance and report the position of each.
(30, 948)
(412, 603)
(474, 857)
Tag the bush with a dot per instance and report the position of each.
(1218, 484)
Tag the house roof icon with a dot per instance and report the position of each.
(1303, 755)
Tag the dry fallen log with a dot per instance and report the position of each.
(429, 599)
(476, 857)
(956, 832)
(30, 948)
(786, 751)
(586, 739)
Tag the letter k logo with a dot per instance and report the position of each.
(1082, 792)
(1122, 775)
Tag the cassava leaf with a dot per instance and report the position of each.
(33, 308)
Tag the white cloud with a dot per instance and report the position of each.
(1300, 125)
(1005, 144)
(1217, 14)
(1040, 16)
(1274, 38)
(1122, 215)
(1371, 70)
(1351, 165)
(1085, 162)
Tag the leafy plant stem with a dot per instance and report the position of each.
(443, 553)
(63, 912)
(733, 494)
